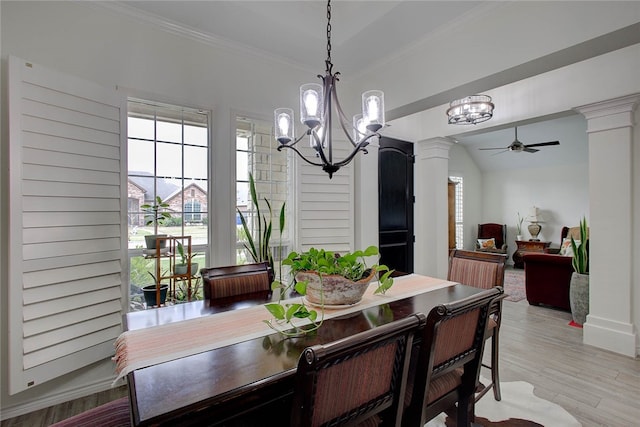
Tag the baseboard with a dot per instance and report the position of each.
(36, 405)
(610, 335)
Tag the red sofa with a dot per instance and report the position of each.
(547, 278)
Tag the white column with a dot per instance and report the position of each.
(431, 208)
(609, 324)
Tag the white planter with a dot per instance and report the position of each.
(579, 297)
(519, 237)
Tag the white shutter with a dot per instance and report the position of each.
(326, 206)
(66, 223)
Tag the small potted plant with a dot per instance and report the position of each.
(325, 278)
(182, 267)
(519, 226)
(150, 292)
(579, 285)
(156, 214)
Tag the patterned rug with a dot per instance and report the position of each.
(519, 407)
(514, 285)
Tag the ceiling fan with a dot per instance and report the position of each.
(518, 146)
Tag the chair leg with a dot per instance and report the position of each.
(495, 372)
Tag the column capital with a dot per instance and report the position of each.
(611, 114)
(434, 148)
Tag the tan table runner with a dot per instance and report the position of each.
(145, 347)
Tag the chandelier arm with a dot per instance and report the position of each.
(342, 118)
(291, 144)
(360, 147)
(299, 154)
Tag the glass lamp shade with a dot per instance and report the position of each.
(373, 109)
(311, 105)
(359, 129)
(283, 125)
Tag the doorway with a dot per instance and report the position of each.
(395, 204)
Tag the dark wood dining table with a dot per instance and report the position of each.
(243, 383)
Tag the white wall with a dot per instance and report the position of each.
(561, 193)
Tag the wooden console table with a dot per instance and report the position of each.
(527, 246)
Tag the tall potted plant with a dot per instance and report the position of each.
(156, 214)
(519, 225)
(579, 285)
(257, 244)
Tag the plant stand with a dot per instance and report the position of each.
(171, 243)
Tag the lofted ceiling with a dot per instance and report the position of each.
(363, 33)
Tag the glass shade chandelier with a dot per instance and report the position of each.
(316, 102)
(470, 110)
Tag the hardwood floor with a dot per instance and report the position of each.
(597, 387)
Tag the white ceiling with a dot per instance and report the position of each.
(363, 33)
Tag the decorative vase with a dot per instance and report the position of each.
(333, 289)
(534, 229)
(150, 296)
(579, 297)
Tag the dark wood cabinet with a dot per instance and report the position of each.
(527, 246)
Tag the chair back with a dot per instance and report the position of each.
(478, 269)
(227, 281)
(496, 231)
(356, 378)
(448, 363)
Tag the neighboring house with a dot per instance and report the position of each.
(192, 200)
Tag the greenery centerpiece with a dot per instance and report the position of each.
(323, 278)
(156, 213)
(579, 285)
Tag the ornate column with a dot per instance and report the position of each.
(431, 208)
(610, 128)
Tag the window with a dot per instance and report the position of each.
(168, 152)
(256, 154)
(459, 209)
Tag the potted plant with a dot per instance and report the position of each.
(579, 285)
(182, 267)
(325, 278)
(519, 225)
(150, 292)
(258, 246)
(156, 214)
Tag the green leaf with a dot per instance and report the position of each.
(302, 313)
(301, 287)
(276, 310)
(292, 310)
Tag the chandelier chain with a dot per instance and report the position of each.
(328, 32)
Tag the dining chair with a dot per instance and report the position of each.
(483, 270)
(358, 380)
(234, 280)
(116, 413)
(446, 368)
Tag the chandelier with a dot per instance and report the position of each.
(470, 110)
(316, 102)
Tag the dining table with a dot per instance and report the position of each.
(218, 363)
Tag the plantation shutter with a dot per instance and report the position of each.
(326, 206)
(66, 223)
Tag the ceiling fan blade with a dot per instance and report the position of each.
(497, 148)
(543, 144)
(529, 150)
(500, 152)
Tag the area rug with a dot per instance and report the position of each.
(519, 407)
(514, 285)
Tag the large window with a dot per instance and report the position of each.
(256, 154)
(459, 211)
(168, 152)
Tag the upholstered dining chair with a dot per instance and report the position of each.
(116, 413)
(234, 280)
(358, 380)
(447, 367)
(497, 232)
(483, 270)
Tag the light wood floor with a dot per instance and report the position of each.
(597, 387)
